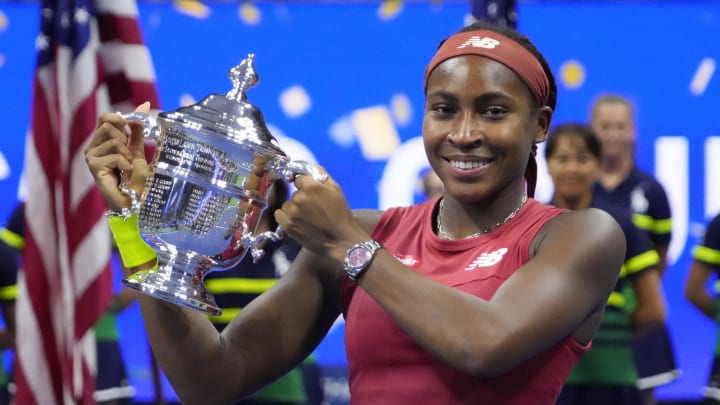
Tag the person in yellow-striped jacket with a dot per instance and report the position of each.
(235, 288)
(607, 373)
(10, 246)
(112, 386)
(623, 182)
(705, 265)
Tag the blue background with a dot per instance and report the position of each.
(349, 57)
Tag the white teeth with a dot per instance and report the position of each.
(465, 165)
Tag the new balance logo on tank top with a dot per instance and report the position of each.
(388, 367)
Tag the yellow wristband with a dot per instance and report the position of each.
(133, 250)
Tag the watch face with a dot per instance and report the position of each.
(358, 257)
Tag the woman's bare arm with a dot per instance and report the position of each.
(696, 288)
(562, 288)
(544, 301)
(269, 337)
(650, 311)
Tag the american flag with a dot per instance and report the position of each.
(91, 59)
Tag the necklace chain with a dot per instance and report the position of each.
(443, 234)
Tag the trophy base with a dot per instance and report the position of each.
(183, 289)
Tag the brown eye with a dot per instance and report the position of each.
(494, 112)
(442, 109)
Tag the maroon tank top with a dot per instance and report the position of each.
(387, 367)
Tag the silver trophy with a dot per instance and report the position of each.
(214, 165)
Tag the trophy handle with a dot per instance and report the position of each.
(288, 170)
(150, 131)
(258, 253)
(148, 122)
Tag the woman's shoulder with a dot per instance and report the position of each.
(577, 236)
(591, 214)
(588, 223)
(536, 214)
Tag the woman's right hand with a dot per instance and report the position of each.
(118, 146)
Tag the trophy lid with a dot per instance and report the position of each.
(231, 115)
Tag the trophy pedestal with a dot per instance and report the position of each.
(176, 285)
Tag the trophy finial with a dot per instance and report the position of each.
(243, 76)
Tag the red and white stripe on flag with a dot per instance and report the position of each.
(90, 59)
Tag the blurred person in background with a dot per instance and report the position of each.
(432, 185)
(11, 243)
(704, 268)
(622, 182)
(607, 373)
(112, 386)
(235, 288)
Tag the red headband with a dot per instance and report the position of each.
(500, 48)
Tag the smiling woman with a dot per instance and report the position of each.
(464, 304)
(607, 373)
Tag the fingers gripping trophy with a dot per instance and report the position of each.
(214, 165)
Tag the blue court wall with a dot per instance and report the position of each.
(342, 85)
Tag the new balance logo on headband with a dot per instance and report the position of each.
(477, 42)
(511, 54)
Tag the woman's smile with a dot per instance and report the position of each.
(469, 167)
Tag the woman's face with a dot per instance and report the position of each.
(613, 124)
(479, 126)
(572, 167)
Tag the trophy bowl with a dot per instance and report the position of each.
(214, 165)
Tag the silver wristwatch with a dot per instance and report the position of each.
(358, 258)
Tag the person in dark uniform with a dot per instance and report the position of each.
(704, 267)
(112, 386)
(237, 287)
(607, 373)
(622, 182)
(10, 261)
